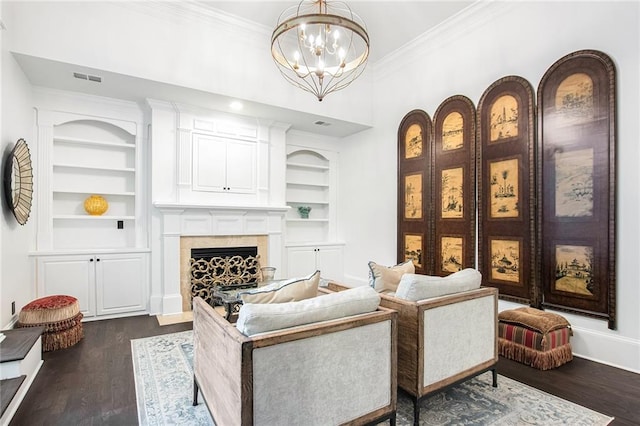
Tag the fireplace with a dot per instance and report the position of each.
(184, 227)
(222, 266)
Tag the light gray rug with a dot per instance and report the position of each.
(163, 372)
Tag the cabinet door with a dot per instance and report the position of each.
(330, 262)
(121, 283)
(301, 261)
(69, 275)
(241, 166)
(209, 163)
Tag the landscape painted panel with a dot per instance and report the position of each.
(574, 183)
(504, 118)
(505, 260)
(574, 99)
(504, 192)
(451, 254)
(453, 132)
(413, 142)
(452, 193)
(574, 269)
(413, 196)
(413, 249)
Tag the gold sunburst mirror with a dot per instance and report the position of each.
(18, 181)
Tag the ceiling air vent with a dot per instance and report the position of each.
(321, 123)
(87, 77)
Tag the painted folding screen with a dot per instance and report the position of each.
(415, 199)
(576, 184)
(506, 189)
(454, 185)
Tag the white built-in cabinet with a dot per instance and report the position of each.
(103, 283)
(224, 164)
(87, 146)
(311, 179)
(302, 260)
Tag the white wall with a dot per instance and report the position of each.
(17, 122)
(464, 56)
(167, 42)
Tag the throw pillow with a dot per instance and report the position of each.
(387, 278)
(284, 291)
(417, 287)
(260, 318)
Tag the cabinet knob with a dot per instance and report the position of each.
(98, 260)
(91, 260)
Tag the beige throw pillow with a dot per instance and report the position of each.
(260, 318)
(418, 287)
(284, 291)
(387, 278)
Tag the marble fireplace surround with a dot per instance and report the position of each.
(194, 226)
(188, 242)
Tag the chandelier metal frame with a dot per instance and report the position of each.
(316, 64)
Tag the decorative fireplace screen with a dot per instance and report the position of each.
(212, 267)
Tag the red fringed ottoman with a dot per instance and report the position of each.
(534, 337)
(61, 318)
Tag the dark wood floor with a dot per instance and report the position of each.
(92, 382)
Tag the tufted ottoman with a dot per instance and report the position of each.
(534, 337)
(61, 318)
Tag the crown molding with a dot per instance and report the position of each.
(202, 12)
(449, 30)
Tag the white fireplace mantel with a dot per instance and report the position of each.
(180, 220)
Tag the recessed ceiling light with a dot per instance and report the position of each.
(322, 123)
(236, 105)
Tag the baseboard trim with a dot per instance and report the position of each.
(615, 351)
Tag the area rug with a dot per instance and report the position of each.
(163, 371)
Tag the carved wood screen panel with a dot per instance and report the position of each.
(454, 185)
(506, 189)
(415, 195)
(576, 184)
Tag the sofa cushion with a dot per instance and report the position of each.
(386, 278)
(284, 291)
(417, 287)
(259, 318)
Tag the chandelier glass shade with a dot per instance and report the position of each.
(320, 46)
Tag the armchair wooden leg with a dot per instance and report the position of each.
(392, 420)
(416, 411)
(195, 391)
(494, 373)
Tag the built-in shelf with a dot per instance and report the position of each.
(319, 185)
(82, 141)
(90, 217)
(108, 169)
(71, 191)
(309, 182)
(307, 166)
(305, 202)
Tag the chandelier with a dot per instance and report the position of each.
(320, 46)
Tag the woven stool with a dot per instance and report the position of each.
(534, 337)
(61, 318)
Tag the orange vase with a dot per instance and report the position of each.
(96, 205)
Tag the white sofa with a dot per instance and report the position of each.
(332, 372)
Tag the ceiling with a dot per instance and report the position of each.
(390, 24)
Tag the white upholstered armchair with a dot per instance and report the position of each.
(331, 372)
(443, 340)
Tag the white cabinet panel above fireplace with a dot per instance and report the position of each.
(224, 165)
